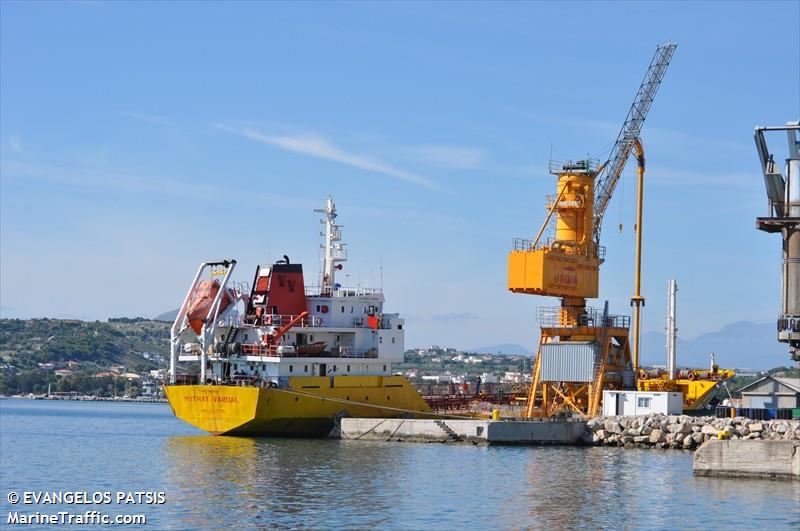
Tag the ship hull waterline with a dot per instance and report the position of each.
(309, 407)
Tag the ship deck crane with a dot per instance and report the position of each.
(582, 351)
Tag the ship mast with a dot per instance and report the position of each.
(333, 252)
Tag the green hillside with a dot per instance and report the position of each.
(33, 351)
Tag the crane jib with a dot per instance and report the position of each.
(612, 169)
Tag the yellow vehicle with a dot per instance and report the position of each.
(697, 385)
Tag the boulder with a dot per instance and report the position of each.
(688, 442)
(641, 439)
(612, 426)
(709, 429)
(657, 436)
(756, 426)
(697, 438)
(647, 430)
(782, 428)
(680, 427)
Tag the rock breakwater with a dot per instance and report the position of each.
(682, 431)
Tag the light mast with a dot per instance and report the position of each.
(333, 252)
(672, 329)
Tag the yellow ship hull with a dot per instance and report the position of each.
(309, 407)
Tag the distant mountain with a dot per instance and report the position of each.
(167, 316)
(505, 348)
(737, 345)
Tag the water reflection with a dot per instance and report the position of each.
(250, 483)
(292, 481)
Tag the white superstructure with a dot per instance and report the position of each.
(281, 328)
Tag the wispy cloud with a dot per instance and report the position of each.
(102, 178)
(156, 119)
(451, 157)
(320, 147)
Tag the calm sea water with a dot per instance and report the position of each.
(248, 483)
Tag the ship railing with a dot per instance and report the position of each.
(336, 352)
(556, 317)
(276, 320)
(319, 291)
(382, 323)
(563, 246)
(283, 351)
(186, 379)
(376, 322)
(353, 352)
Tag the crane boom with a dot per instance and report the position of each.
(612, 169)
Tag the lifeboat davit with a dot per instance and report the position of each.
(201, 304)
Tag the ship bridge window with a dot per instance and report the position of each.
(399, 327)
(644, 402)
(348, 368)
(305, 368)
(291, 367)
(384, 368)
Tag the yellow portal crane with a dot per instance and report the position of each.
(582, 351)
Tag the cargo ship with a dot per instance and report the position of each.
(280, 358)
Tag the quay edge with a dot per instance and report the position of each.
(745, 458)
(479, 431)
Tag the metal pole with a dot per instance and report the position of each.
(175, 330)
(637, 300)
(207, 332)
(671, 329)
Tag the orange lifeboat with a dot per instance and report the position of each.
(201, 304)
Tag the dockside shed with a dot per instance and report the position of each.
(772, 392)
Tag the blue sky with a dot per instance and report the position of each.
(138, 139)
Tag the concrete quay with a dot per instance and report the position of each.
(479, 431)
(774, 459)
